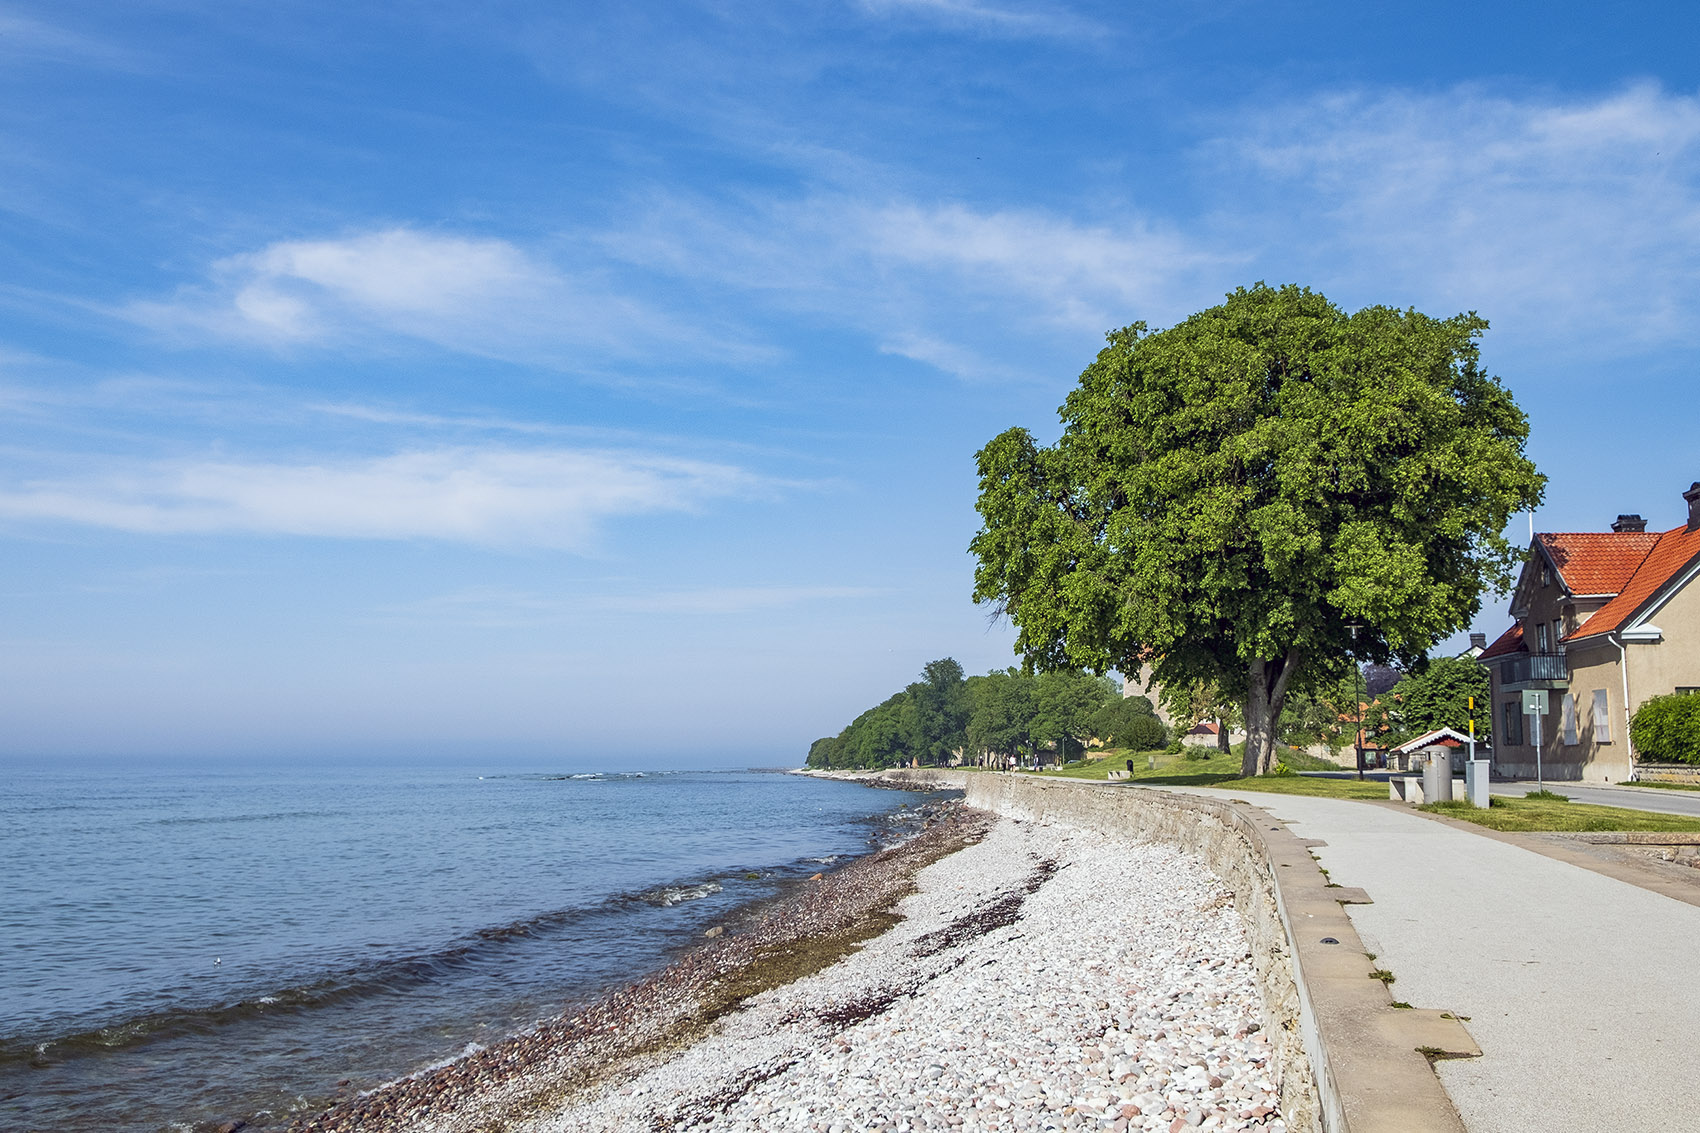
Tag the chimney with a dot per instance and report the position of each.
(1693, 498)
(1478, 641)
(1631, 523)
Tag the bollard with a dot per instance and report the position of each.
(1476, 782)
(1437, 779)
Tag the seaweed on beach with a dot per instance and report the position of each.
(1001, 913)
(809, 929)
(694, 1111)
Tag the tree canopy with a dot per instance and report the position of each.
(1003, 717)
(1439, 697)
(1230, 496)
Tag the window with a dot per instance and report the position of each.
(1686, 690)
(1513, 724)
(1602, 717)
(1557, 631)
(1570, 719)
(1542, 645)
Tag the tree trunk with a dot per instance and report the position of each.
(1223, 744)
(1266, 692)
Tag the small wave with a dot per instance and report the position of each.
(669, 895)
(466, 1051)
(210, 819)
(380, 976)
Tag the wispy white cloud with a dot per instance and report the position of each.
(1561, 218)
(1565, 220)
(945, 283)
(1070, 273)
(24, 38)
(500, 608)
(553, 498)
(475, 295)
(1022, 21)
(730, 599)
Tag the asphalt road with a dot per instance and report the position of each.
(1630, 798)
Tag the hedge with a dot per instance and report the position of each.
(1666, 729)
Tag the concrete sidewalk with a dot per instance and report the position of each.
(1579, 988)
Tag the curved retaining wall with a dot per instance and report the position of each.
(1348, 1060)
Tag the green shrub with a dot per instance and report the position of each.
(1666, 729)
(1174, 747)
(1142, 733)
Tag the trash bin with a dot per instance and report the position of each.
(1437, 778)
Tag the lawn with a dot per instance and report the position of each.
(1666, 786)
(1220, 771)
(1514, 814)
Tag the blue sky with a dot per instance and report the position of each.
(600, 382)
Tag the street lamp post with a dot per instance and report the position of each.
(1357, 695)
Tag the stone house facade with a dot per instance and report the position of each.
(1604, 620)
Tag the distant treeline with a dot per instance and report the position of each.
(1000, 719)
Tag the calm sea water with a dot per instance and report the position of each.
(181, 948)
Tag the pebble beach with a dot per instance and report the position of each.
(1034, 977)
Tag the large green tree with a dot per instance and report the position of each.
(1231, 496)
(1000, 721)
(940, 698)
(1064, 703)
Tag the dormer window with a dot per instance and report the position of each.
(1546, 575)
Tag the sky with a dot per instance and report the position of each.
(600, 383)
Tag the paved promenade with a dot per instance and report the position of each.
(1579, 988)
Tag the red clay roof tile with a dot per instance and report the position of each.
(1511, 641)
(1674, 551)
(1597, 562)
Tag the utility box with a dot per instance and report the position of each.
(1476, 782)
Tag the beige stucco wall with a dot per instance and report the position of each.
(1674, 662)
(1594, 666)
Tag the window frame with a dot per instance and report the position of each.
(1513, 713)
(1602, 716)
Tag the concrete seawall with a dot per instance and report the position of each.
(1347, 1059)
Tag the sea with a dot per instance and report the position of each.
(183, 947)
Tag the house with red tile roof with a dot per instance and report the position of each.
(1605, 620)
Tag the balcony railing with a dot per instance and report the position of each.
(1534, 669)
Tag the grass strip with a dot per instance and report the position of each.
(1545, 816)
(1218, 770)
